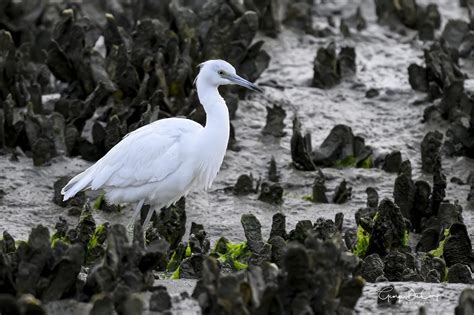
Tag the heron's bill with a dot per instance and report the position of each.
(242, 82)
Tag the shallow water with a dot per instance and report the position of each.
(388, 122)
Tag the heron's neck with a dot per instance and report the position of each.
(217, 113)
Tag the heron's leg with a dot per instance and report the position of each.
(136, 213)
(148, 217)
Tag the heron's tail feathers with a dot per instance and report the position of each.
(79, 182)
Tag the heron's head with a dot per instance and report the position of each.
(220, 72)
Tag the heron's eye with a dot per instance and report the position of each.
(220, 72)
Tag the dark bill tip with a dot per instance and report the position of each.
(242, 82)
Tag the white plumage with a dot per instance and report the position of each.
(159, 163)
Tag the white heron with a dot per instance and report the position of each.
(159, 163)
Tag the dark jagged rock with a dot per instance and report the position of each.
(357, 20)
(458, 246)
(64, 274)
(470, 195)
(275, 121)
(74, 211)
(409, 14)
(330, 68)
(155, 255)
(191, 268)
(103, 306)
(198, 239)
(342, 193)
(454, 32)
(270, 15)
(350, 238)
(69, 52)
(442, 70)
(302, 230)
(132, 305)
(341, 149)
(394, 265)
(456, 180)
(199, 245)
(9, 305)
(61, 228)
(459, 140)
(465, 303)
(261, 251)
(417, 78)
(372, 197)
(319, 188)
(350, 292)
(404, 193)
(371, 93)
(388, 229)
(338, 221)
(113, 133)
(433, 269)
(298, 14)
(33, 257)
(271, 193)
(171, 222)
(324, 229)
(421, 205)
(430, 147)
(278, 249)
(244, 185)
(455, 103)
(273, 174)
(123, 269)
(344, 28)
(390, 13)
(278, 226)
(439, 186)
(43, 151)
(459, 273)
(2, 129)
(364, 216)
(372, 268)
(347, 61)
(7, 243)
(392, 162)
(428, 21)
(405, 168)
(301, 149)
(177, 256)
(160, 300)
(381, 279)
(85, 229)
(449, 214)
(326, 72)
(207, 287)
(432, 13)
(433, 276)
(429, 240)
(77, 201)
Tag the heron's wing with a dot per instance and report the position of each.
(146, 155)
